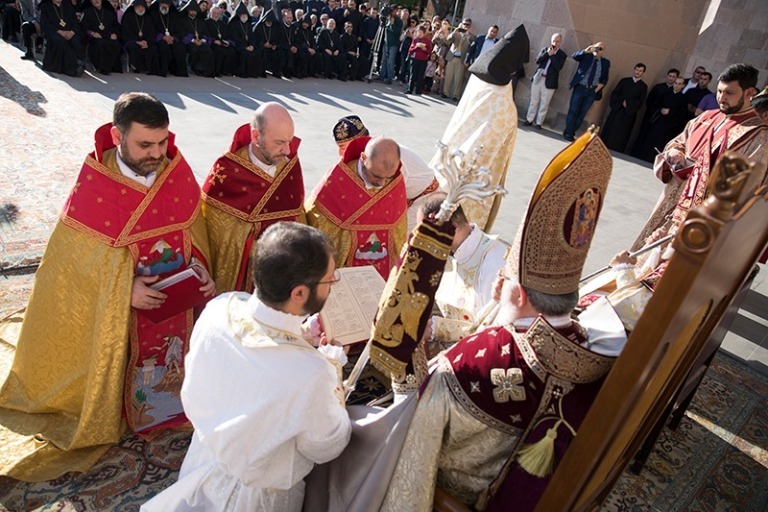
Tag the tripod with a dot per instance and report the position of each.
(378, 41)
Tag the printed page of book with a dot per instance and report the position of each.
(348, 313)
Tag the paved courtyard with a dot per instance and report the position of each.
(49, 120)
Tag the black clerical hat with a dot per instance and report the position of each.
(191, 5)
(497, 65)
(136, 3)
(241, 9)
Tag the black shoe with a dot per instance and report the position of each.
(538, 126)
(568, 137)
(28, 56)
(79, 72)
(407, 92)
(444, 96)
(527, 123)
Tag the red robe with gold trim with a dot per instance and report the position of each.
(367, 227)
(704, 139)
(69, 381)
(241, 201)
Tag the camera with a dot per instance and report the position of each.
(462, 30)
(385, 11)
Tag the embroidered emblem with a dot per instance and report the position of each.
(585, 211)
(507, 385)
(435, 279)
(373, 249)
(480, 353)
(474, 387)
(217, 174)
(162, 259)
(505, 349)
(516, 418)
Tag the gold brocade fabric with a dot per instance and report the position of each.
(445, 444)
(342, 239)
(487, 117)
(61, 403)
(227, 239)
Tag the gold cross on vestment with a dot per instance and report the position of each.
(217, 174)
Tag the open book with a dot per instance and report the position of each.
(348, 313)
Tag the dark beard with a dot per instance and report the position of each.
(314, 304)
(140, 167)
(734, 109)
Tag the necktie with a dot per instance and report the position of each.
(592, 70)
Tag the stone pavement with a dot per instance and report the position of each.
(49, 120)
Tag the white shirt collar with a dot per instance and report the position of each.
(269, 169)
(554, 321)
(126, 171)
(636, 79)
(275, 319)
(368, 185)
(469, 245)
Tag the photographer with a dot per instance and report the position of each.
(587, 84)
(550, 61)
(460, 39)
(393, 29)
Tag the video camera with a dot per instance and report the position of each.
(385, 11)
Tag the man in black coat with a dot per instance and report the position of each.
(193, 33)
(224, 54)
(100, 26)
(172, 53)
(545, 81)
(64, 52)
(626, 99)
(250, 64)
(329, 48)
(138, 34)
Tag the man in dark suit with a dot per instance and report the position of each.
(550, 61)
(587, 84)
(481, 44)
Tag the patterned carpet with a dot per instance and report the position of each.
(717, 460)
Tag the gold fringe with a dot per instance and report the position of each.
(538, 459)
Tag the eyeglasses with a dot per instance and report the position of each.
(336, 278)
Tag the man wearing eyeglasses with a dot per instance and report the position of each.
(459, 40)
(265, 404)
(587, 85)
(693, 82)
(361, 205)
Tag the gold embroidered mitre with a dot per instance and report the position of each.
(553, 240)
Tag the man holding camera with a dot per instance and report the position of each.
(460, 39)
(550, 61)
(587, 84)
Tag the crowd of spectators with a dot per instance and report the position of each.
(332, 39)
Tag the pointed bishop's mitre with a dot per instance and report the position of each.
(553, 240)
(497, 65)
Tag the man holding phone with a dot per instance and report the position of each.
(459, 42)
(550, 61)
(587, 84)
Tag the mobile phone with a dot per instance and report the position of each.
(462, 29)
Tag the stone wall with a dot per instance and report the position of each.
(660, 33)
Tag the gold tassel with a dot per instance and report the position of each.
(538, 459)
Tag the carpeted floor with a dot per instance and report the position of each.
(717, 460)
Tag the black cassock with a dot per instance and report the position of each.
(100, 25)
(663, 127)
(307, 63)
(332, 64)
(224, 54)
(139, 29)
(61, 55)
(274, 57)
(621, 120)
(200, 54)
(172, 53)
(249, 54)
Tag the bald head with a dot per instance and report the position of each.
(271, 133)
(381, 160)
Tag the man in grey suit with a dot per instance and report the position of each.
(550, 61)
